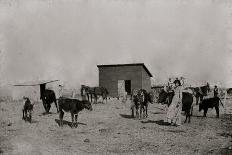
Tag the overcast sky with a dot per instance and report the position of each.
(66, 39)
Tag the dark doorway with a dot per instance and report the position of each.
(128, 86)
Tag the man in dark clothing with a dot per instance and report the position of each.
(215, 91)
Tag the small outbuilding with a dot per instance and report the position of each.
(121, 79)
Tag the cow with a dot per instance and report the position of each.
(74, 106)
(27, 109)
(210, 103)
(144, 104)
(137, 97)
(48, 97)
(140, 100)
(200, 92)
(187, 100)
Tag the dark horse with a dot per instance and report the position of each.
(187, 101)
(200, 92)
(94, 92)
(48, 97)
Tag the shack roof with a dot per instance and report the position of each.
(123, 65)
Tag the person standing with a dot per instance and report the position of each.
(215, 91)
(175, 108)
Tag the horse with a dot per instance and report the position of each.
(187, 100)
(94, 92)
(100, 91)
(48, 97)
(88, 92)
(200, 92)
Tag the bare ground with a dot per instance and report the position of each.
(109, 129)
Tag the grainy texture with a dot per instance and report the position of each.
(109, 129)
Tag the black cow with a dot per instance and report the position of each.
(48, 97)
(74, 106)
(200, 92)
(210, 103)
(27, 109)
(187, 100)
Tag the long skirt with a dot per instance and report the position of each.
(174, 112)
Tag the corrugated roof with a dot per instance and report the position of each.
(34, 83)
(133, 64)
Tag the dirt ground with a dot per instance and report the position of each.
(109, 129)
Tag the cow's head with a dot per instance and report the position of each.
(87, 105)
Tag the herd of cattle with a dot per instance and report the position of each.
(139, 97)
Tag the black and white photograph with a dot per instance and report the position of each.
(116, 77)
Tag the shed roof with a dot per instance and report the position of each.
(133, 64)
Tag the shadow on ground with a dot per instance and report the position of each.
(126, 116)
(160, 122)
(45, 113)
(68, 123)
(155, 113)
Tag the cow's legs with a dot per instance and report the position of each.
(23, 115)
(141, 111)
(191, 113)
(91, 97)
(132, 112)
(146, 111)
(188, 115)
(205, 112)
(56, 105)
(217, 111)
(45, 106)
(30, 115)
(197, 99)
(137, 111)
(95, 96)
(61, 117)
(72, 115)
(76, 116)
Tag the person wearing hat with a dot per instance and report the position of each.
(215, 91)
(175, 108)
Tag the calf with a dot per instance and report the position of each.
(210, 103)
(144, 104)
(74, 106)
(137, 99)
(27, 109)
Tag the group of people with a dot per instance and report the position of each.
(174, 110)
